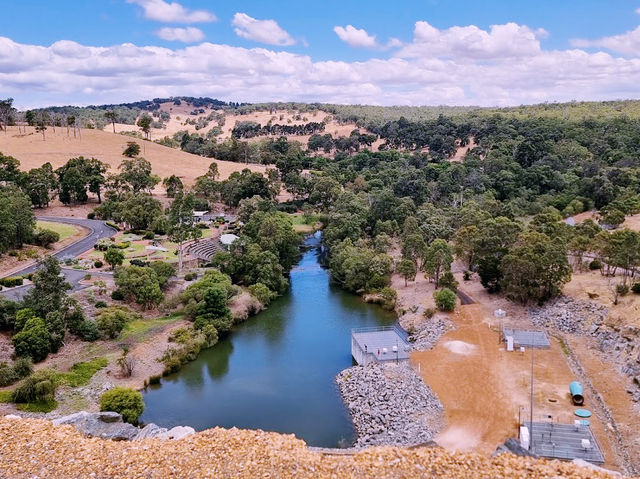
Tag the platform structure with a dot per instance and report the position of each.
(381, 344)
(523, 338)
(565, 441)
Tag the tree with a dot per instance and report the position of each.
(33, 340)
(535, 268)
(172, 184)
(182, 222)
(437, 260)
(78, 176)
(137, 173)
(6, 110)
(40, 184)
(144, 122)
(41, 127)
(112, 320)
(139, 210)
(618, 249)
(214, 310)
(49, 288)
(445, 299)
(132, 150)
(124, 401)
(17, 220)
(449, 281)
(407, 269)
(112, 116)
(139, 284)
(114, 257)
(9, 169)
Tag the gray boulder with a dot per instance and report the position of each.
(177, 432)
(150, 430)
(106, 425)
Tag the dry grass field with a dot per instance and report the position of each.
(57, 148)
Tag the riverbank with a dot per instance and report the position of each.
(390, 405)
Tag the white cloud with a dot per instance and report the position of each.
(263, 31)
(173, 12)
(355, 37)
(627, 43)
(501, 41)
(638, 11)
(505, 65)
(185, 35)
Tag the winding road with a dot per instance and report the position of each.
(97, 230)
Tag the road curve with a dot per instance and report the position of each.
(97, 230)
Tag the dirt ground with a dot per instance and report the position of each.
(58, 148)
(485, 390)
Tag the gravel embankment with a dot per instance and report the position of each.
(569, 315)
(36, 448)
(390, 405)
(429, 333)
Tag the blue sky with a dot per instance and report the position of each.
(336, 51)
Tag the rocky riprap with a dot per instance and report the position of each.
(390, 404)
(569, 315)
(31, 448)
(109, 425)
(429, 332)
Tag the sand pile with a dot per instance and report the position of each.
(36, 448)
(460, 347)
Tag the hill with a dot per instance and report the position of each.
(58, 147)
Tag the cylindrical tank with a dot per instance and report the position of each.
(577, 393)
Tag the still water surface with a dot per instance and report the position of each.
(276, 371)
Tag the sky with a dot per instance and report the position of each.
(402, 52)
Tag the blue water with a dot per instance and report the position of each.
(276, 371)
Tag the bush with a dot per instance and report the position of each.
(622, 289)
(428, 313)
(163, 270)
(98, 264)
(595, 264)
(190, 276)
(124, 401)
(114, 256)
(91, 215)
(45, 237)
(10, 373)
(466, 275)
(87, 330)
(445, 299)
(149, 235)
(262, 293)
(449, 281)
(101, 304)
(117, 295)
(111, 321)
(139, 262)
(113, 225)
(40, 386)
(33, 341)
(21, 318)
(636, 288)
(122, 244)
(155, 379)
(11, 282)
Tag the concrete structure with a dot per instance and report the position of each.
(379, 344)
(525, 338)
(227, 240)
(565, 441)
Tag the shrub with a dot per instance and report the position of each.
(466, 275)
(622, 289)
(122, 244)
(113, 225)
(262, 293)
(40, 386)
(155, 379)
(33, 341)
(595, 264)
(91, 215)
(428, 313)
(389, 298)
(149, 235)
(124, 401)
(10, 373)
(98, 264)
(45, 237)
(445, 299)
(111, 321)
(449, 281)
(163, 270)
(202, 226)
(114, 257)
(7, 374)
(101, 304)
(87, 330)
(23, 367)
(139, 262)
(22, 316)
(11, 282)
(190, 276)
(117, 295)
(636, 288)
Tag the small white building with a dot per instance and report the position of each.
(227, 240)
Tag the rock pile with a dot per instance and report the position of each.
(429, 332)
(109, 425)
(569, 315)
(390, 405)
(32, 448)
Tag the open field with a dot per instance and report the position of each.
(64, 230)
(58, 148)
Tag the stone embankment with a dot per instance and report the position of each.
(569, 315)
(390, 405)
(31, 448)
(427, 334)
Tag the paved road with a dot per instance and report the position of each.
(97, 230)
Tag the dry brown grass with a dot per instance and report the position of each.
(33, 151)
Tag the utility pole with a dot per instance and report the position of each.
(531, 416)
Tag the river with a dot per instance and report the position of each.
(275, 371)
